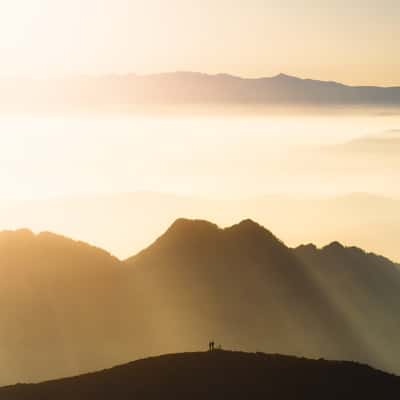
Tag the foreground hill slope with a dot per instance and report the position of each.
(218, 375)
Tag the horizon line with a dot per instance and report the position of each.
(280, 75)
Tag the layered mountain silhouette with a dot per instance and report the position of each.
(121, 224)
(219, 375)
(68, 308)
(191, 88)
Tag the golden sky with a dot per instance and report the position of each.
(354, 42)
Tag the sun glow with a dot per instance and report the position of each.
(63, 37)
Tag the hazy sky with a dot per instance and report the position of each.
(355, 42)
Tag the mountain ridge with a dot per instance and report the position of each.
(191, 88)
(176, 227)
(197, 74)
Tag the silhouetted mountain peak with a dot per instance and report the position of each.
(250, 231)
(183, 234)
(24, 232)
(334, 246)
(186, 226)
(282, 76)
(51, 244)
(249, 223)
(310, 247)
(248, 226)
(18, 236)
(198, 237)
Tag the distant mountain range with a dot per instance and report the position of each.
(218, 375)
(68, 308)
(189, 88)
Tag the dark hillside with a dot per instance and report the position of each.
(218, 375)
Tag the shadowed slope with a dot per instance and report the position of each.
(365, 287)
(218, 375)
(60, 307)
(244, 286)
